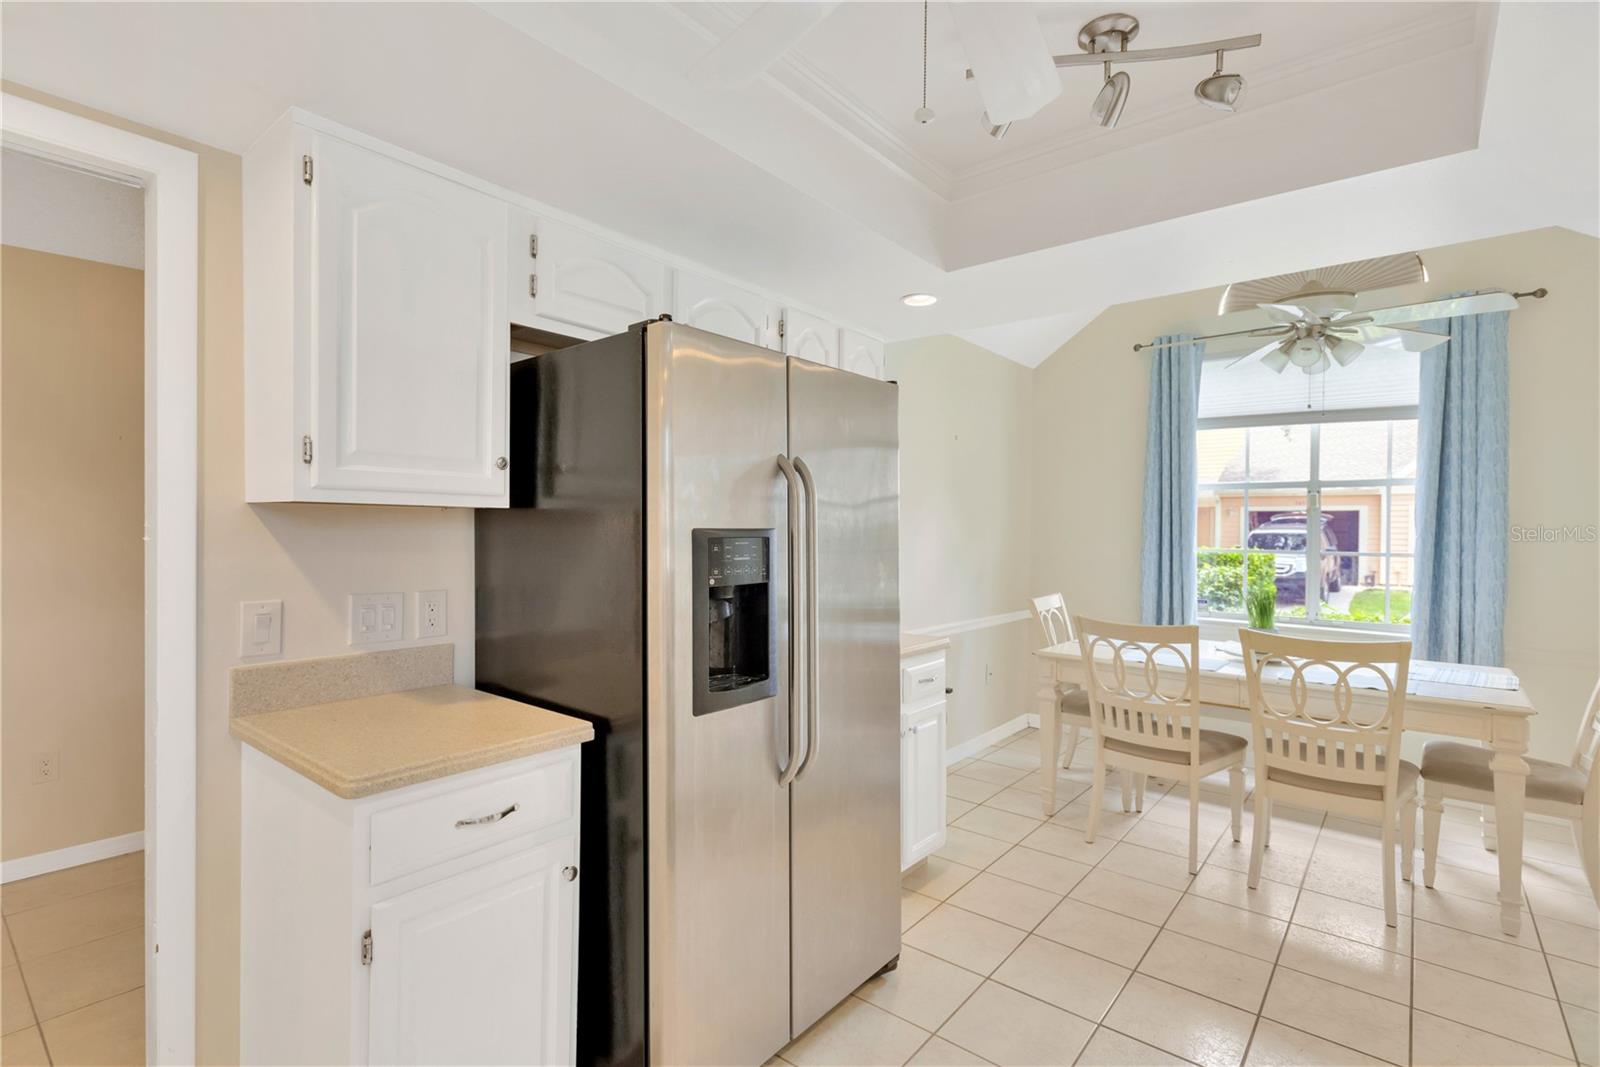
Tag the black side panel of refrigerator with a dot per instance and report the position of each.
(560, 623)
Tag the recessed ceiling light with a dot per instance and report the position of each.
(918, 300)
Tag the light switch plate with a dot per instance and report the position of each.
(431, 613)
(260, 627)
(376, 617)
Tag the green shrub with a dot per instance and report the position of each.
(1219, 577)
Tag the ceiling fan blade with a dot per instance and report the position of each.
(1263, 350)
(1288, 314)
(1395, 337)
(1010, 59)
(1444, 309)
(756, 43)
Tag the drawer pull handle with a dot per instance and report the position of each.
(491, 817)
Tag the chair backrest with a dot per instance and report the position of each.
(1327, 709)
(1051, 611)
(1143, 683)
(1586, 753)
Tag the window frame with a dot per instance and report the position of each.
(1313, 487)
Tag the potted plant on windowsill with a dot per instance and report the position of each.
(1261, 604)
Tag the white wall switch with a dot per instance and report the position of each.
(431, 613)
(260, 627)
(376, 617)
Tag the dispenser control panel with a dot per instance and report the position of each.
(735, 640)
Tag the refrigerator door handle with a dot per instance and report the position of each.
(787, 774)
(813, 722)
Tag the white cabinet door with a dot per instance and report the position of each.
(478, 968)
(588, 287)
(410, 340)
(809, 337)
(861, 354)
(922, 792)
(716, 306)
(522, 266)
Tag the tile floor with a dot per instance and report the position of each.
(1023, 945)
(73, 944)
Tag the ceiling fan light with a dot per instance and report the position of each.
(1304, 351)
(1220, 91)
(1344, 351)
(1275, 360)
(1317, 366)
(1108, 103)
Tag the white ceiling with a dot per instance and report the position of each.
(1454, 122)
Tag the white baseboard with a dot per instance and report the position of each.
(72, 856)
(975, 745)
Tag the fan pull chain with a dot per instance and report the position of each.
(924, 114)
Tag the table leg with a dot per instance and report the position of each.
(1486, 825)
(1049, 739)
(1510, 791)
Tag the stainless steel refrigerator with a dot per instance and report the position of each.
(701, 558)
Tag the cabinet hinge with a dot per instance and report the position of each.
(305, 169)
(533, 285)
(366, 949)
(305, 449)
(533, 246)
(782, 326)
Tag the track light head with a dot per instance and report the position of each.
(1220, 91)
(1113, 96)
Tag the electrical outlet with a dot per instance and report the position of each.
(431, 613)
(260, 627)
(376, 617)
(46, 767)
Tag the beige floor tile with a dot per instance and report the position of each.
(1148, 865)
(1136, 899)
(1339, 1014)
(1568, 907)
(1082, 984)
(1186, 1024)
(1173, 840)
(1537, 875)
(76, 920)
(969, 848)
(913, 906)
(1023, 800)
(1068, 843)
(1249, 932)
(1098, 932)
(1515, 1015)
(1107, 1048)
(1479, 885)
(993, 773)
(937, 877)
(955, 807)
(855, 1034)
(107, 1032)
(1473, 916)
(1010, 902)
(1350, 963)
(1567, 940)
(964, 939)
(923, 990)
(1576, 983)
(1114, 822)
(1437, 1042)
(8, 956)
(1346, 918)
(1584, 1025)
(992, 822)
(1039, 869)
(1358, 878)
(1010, 1028)
(1277, 1045)
(72, 978)
(937, 1052)
(1233, 887)
(1024, 758)
(16, 1012)
(1491, 958)
(972, 790)
(73, 882)
(1283, 862)
(1202, 967)
(23, 1048)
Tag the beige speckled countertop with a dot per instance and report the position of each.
(355, 748)
(917, 644)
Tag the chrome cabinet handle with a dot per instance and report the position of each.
(481, 820)
(786, 774)
(813, 722)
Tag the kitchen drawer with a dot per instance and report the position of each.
(430, 830)
(921, 682)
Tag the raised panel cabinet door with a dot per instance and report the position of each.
(708, 304)
(924, 791)
(411, 343)
(478, 967)
(807, 336)
(589, 287)
(860, 354)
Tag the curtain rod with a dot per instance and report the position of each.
(1265, 331)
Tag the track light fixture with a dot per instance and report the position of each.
(1108, 103)
(1220, 91)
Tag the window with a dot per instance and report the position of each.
(1322, 509)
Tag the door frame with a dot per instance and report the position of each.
(170, 178)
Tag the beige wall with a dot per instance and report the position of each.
(72, 573)
(311, 556)
(964, 501)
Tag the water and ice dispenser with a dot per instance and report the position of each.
(735, 641)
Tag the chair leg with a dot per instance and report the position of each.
(1194, 822)
(1432, 812)
(1266, 833)
(1408, 836)
(1388, 872)
(1587, 830)
(1138, 792)
(1127, 791)
(1258, 832)
(1236, 797)
(1097, 788)
(1072, 746)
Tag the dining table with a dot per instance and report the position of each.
(1484, 704)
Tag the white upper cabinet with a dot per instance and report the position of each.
(376, 331)
(580, 285)
(810, 337)
(716, 306)
(861, 354)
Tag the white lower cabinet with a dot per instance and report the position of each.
(432, 924)
(922, 748)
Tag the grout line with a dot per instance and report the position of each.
(22, 976)
(1572, 1040)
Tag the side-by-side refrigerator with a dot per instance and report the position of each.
(701, 559)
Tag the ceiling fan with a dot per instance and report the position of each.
(1315, 323)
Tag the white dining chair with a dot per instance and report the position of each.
(1072, 702)
(1327, 718)
(1144, 705)
(1452, 769)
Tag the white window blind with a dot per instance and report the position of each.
(1378, 379)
